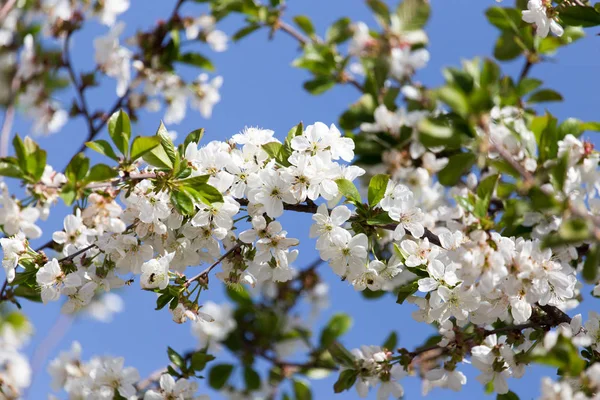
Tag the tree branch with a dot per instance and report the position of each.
(203, 276)
(303, 40)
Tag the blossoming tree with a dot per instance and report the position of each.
(461, 202)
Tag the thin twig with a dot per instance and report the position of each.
(79, 87)
(6, 8)
(153, 377)
(526, 69)
(303, 40)
(204, 274)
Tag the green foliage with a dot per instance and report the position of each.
(564, 356)
(103, 147)
(349, 191)
(406, 290)
(345, 381)
(458, 165)
(391, 341)
(119, 129)
(142, 145)
(302, 390)
(336, 327)
(377, 188)
(580, 16)
(413, 14)
(219, 375)
(592, 261)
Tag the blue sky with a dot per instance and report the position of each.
(262, 89)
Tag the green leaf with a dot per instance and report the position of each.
(547, 134)
(219, 374)
(590, 267)
(279, 152)
(336, 327)
(339, 31)
(348, 190)
(406, 290)
(167, 143)
(569, 232)
(485, 189)
(302, 390)
(580, 16)
(510, 395)
(143, 144)
(340, 354)
(28, 293)
(68, 194)
(183, 202)
(77, 168)
(245, 31)
(175, 357)
(194, 182)
(507, 48)
(194, 136)
(591, 126)
(197, 60)
(163, 156)
(319, 85)
(20, 153)
(163, 300)
(527, 85)
(200, 359)
(505, 19)
(305, 24)
(252, 379)
(391, 341)
(101, 173)
(457, 166)
(544, 95)
(103, 147)
(119, 129)
(559, 171)
(377, 187)
(11, 170)
(345, 381)
(380, 219)
(204, 193)
(381, 11)
(550, 44)
(565, 356)
(454, 98)
(413, 14)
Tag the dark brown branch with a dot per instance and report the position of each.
(555, 318)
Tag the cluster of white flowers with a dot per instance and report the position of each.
(106, 11)
(573, 389)
(204, 25)
(105, 377)
(146, 236)
(112, 57)
(211, 332)
(404, 61)
(202, 93)
(15, 371)
(47, 113)
(374, 369)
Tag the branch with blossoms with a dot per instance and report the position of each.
(462, 200)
